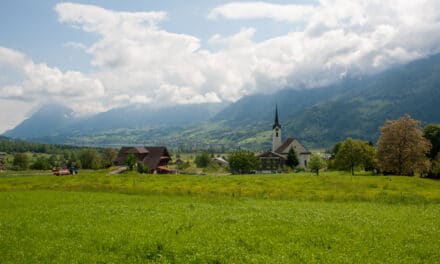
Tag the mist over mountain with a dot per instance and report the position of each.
(353, 107)
(47, 121)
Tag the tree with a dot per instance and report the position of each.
(21, 161)
(130, 161)
(41, 164)
(242, 161)
(401, 148)
(354, 153)
(53, 160)
(435, 168)
(432, 133)
(203, 159)
(292, 159)
(90, 159)
(317, 163)
(108, 156)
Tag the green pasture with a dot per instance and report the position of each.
(298, 218)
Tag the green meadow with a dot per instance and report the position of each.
(288, 218)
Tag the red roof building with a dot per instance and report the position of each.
(155, 158)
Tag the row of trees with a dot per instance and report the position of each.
(87, 158)
(402, 149)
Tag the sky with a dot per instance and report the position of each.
(93, 56)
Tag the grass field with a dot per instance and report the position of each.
(132, 218)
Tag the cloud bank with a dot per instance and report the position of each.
(136, 61)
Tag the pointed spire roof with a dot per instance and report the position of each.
(276, 123)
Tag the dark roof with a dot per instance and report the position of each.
(139, 150)
(150, 156)
(155, 154)
(276, 123)
(271, 154)
(286, 143)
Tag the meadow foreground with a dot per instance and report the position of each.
(134, 218)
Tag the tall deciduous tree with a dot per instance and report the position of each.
(292, 159)
(203, 159)
(90, 159)
(402, 149)
(354, 153)
(317, 163)
(21, 161)
(108, 156)
(432, 133)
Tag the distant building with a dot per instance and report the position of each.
(155, 158)
(220, 161)
(276, 158)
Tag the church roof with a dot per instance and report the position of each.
(282, 149)
(271, 154)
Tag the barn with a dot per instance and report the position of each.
(155, 158)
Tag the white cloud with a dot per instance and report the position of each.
(136, 61)
(43, 84)
(258, 10)
(75, 45)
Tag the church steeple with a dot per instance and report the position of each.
(276, 123)
(276, 132)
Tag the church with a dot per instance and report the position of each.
(275, 159)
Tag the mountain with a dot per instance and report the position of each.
(354, 107)
(56, 124)
(48, 121)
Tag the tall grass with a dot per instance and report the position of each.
(334, 186)
(297, 218)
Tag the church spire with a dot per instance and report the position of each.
(276, 132)
(276, 124)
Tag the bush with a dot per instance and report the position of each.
(90, 159)
(142, 168)
(317, 163)
(41, 164)
(21, 161)
(241, 162)
(203, 159)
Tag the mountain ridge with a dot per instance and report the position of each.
(353, 107)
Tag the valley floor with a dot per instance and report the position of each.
(300, 218)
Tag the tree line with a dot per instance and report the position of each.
(403, 148)
(84, 158)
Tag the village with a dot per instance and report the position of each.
(156, 159)
(286, 155)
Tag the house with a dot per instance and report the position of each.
(220, 161)
(276, 158)
(155, 158)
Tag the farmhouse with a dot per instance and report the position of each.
(276, 158)
(155, 158)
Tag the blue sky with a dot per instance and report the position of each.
(97, 55)
(33, 28)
